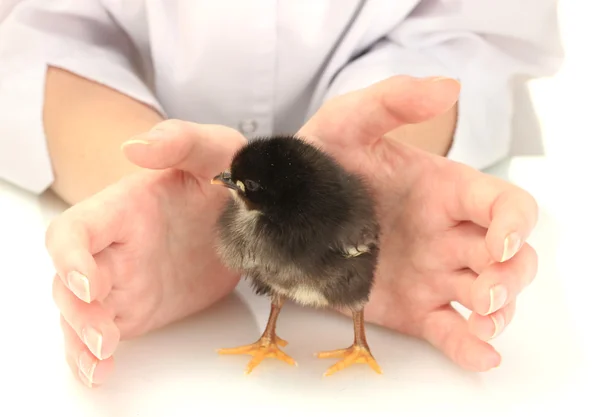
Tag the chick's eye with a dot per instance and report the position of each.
(251, 185)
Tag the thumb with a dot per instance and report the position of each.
(200, 149)
(364, 115)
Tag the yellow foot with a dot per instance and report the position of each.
(351, 355)
(263, 348)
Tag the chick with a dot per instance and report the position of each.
(300, 228)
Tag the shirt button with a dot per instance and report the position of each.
(248, 126)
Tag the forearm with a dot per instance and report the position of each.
(85, 124)
(433, 136)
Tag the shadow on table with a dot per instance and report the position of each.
(178, 366)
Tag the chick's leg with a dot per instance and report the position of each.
(267, 345)
(359, 352)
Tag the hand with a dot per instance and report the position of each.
(139, 254)
(449, 232)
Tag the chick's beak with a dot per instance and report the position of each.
(224, 179)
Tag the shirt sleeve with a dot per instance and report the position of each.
(482, 44)
(77, 36)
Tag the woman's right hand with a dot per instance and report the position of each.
(140, 254)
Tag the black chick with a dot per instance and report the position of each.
(302, 228)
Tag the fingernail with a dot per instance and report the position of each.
(512, 243)
(87, 366)
(93, 340)
(147, 138)
(436, 79)
(79, 285)
(433, 79)
(135, 142)
(498, 324)
(498, 296)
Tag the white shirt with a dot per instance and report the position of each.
(265, 66)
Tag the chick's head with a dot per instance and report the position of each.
(284, 174)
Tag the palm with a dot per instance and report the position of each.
(165, 268)
(417, 274)
(421, 243)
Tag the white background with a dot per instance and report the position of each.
(549, 351)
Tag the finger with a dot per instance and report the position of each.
(501, 283)
(92, 324)
(457, 287)
(79, 233)
(447, 330)
(491, 326)
(462, 246)
(84, 366)
(508, 212)
(202, 150)
(369, 113)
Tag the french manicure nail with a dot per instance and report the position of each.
(79, 285)
(85, 379)
(87, 366)
(498, 296)
(93, 340)
(434, 79)
(135, 142)
(147, 138)
(512, 243)
(498, 324)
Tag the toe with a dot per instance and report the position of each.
(285, 358)
(281, 342)
(373, 364)
(236, 350)
(344, 363)
(338, 353)
(255, 361)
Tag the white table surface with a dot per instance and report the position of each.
(547, 359)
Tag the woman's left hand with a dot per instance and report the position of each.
(450, 232)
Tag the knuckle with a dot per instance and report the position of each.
(532, 260)
(56, 287)
(534, 256)
(61, 226)
(173, 125)
(509, 311)
(64, 325)
(233, 138)
(532, 206)
(51, 232)
(59, 234)
(526, 204)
